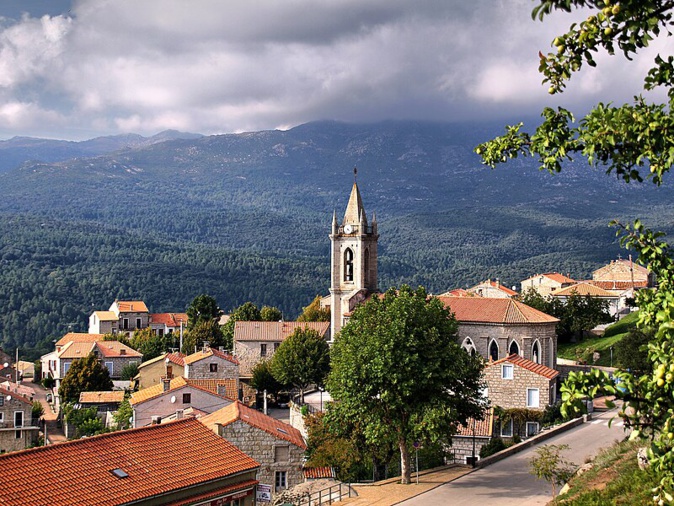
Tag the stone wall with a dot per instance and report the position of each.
(248, 355)
(260, 445)
(512, 393)
(118, 363)
(482, 334)
(462, 446)
(225, 369)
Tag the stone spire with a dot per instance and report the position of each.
(354, 209)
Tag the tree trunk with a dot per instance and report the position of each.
(405, 473)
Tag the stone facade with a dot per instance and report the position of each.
(17, 428)
(462, 447)
(624, 270)
(274, 455)
(525, 336)
(512, 393)
(546, 284)
(212, 367)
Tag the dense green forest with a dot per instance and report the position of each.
(246, 217)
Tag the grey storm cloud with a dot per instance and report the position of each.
(97, 67)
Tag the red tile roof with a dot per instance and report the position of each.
(274, 331)
(483, 428)
(18, 397)
(175, 358)
(131, 306)
(212, 386)
(154, 458)
(491, 310)
(584, 289)
(209, 352)
(525, 363)
(101, 397)
(177, 383)
(239, 411)
(560, 278)
(215, 494)
(458, 292)
(619, 285)
(317, 473)
(115, 349)
(79, 337)
(169, 319)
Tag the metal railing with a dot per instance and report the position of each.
(328, 495)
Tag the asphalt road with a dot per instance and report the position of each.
(509, 482)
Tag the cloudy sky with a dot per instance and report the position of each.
(82, 68)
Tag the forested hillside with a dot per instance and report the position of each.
(247, 216)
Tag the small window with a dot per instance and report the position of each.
(18, 419)
(109, 367)
(125, 324)
(139, 323)
(214, 367)
(160, 332)
(507, 371)
(169, 371)
(281, 480)
(187, 398)
(2, 417)
(514, 348)
(493, 351)
(276, 345)
(263, 350)
(348, 265)
(281, 453)
(66, 366)
(533, 398)
(17, 434)
(507, 429)
(536, 353)
(532, 429)
(2, 400)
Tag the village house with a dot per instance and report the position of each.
(18, 430)
(167, 323)
(167, 365)
(516, 382)
(496, 328)
(255, 341)
(622, 274)
(173, 396)
(277, 446)
(616, 302)
(492, 288)
(123, 316)
(176, 463)
(547, 283)
(102, 401)
(210, 363)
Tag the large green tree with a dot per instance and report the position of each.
(262, 379)
(303, 359)
(314, 312)
(398, 373)
(84, 375)
(149, 343)
(203, 308)
(633, 141)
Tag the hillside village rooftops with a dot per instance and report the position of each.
(584, 289)
(129, 306)
(494, 284)
(169, 319)
(176, 384)
(494, 311)
(79, 337)
(274, 331)
(209, 352)
(239, 411)
(619, 285)
(122, 467)
(529, 365)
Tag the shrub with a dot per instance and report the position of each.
(495, 445)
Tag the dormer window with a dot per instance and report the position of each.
(348, 265)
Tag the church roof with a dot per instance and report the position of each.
(499, 311)
(354, 208)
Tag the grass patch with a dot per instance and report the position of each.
(615, 478)
(584, 350)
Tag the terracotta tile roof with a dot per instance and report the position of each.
(106, 316)
(81, 471)
(209, 352)
(20, 389)
(619, 285)
(231, 489)
(175, 358)
(75, 350)
(497, 285)
(274, 331)
(492, 310)
(584, 289)
(176, 383)
(169, 319)
(525, 363)
(212, 386)
(317, 473)
(101, 397)
(483, 428)
(115, 349)
(130, 306)
(458, 292)
(239, 411)
(554, 276)
(79, 337)
(19, 397)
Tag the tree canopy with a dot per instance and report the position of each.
(303, 359)
(633, 141)
(149, 343)
(314, 313)
(399, 375)
(203, 308)
(86, 374)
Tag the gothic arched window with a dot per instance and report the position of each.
(536, 353)
(348, 265)
(514, 348)
(493, 351)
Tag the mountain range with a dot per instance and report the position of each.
(247, 216)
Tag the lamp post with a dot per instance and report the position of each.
(473, 457)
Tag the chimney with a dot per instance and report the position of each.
(167, 384)
(122, 351)
(179, 414)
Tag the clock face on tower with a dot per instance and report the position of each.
(348, 229)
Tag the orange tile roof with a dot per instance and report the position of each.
(560, 278)
(106, 316)
(499, 286)
(81, 471)
(492, 310)
(239, 411)
(274, 331)
(212, 386)
(525, 363)
(317, 473)
(483, 428)
(584, 289)
(177, 383)
(101, 397)
(79, 337)
(214, 494)
(209, 352)
(131, 306)
(75, 350)
(175, 358)
(169, 319)
(619, 285)
(458, 292)
(115, 349)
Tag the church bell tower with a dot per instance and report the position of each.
(353, 260)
